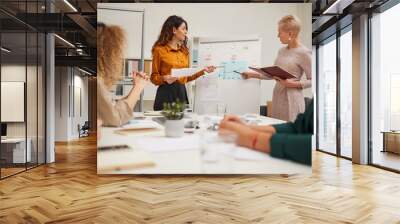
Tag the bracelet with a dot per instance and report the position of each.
(253, 145)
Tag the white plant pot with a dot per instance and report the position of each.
(174, 128)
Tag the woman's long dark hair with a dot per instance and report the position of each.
(167, 32)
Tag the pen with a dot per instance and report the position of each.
(113, 147)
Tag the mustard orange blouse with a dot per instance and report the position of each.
(166, 58)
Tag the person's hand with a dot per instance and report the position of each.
(140, 79)
(233, 118)
(169, 79)
(245, 134)
(209, 69)
(248, 75)
(143, 75)
(288, 83)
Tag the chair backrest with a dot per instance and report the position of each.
(86, 125)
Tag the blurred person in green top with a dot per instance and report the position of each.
(290, 140)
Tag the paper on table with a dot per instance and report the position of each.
(141, 124)
(242, 153)
(164, 144)
(122, 159)
(152, 113)
(183, 72)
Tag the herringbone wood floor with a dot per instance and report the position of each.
(70, 191)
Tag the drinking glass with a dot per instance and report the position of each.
(221, 109)
(217, 151)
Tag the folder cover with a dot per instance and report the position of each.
(274, 71)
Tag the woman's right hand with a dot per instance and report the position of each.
(248, 75)
(169, 79)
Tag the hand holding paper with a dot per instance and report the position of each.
(184, 72)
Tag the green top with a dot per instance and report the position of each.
(292, 140)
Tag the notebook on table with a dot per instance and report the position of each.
(272, 71)
(152, 113)
(138, 126)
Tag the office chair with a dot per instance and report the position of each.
(84, 130)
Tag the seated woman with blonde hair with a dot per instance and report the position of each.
(110, 45)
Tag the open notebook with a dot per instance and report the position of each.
(114, 158)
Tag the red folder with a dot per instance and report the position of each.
(274, 71)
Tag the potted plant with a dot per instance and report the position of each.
(173, 113)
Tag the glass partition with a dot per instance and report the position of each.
(14, 153)
(22, 90)
(346, 93)
(385, 90)
(327, 96)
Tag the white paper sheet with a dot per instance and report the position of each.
(183, 72)
(165, 144)
(117, 159)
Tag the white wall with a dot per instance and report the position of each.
(67, 81)
(212, 20)
(80, 83)
(14, 73)
(61, 103)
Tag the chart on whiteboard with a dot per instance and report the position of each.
(231, 57)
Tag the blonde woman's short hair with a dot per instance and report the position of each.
(290, 23)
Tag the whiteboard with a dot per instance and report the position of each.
(12, 101)
(224, 85)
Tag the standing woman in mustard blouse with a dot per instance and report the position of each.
(171, 51)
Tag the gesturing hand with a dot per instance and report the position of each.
(209, 69)
(248, 75)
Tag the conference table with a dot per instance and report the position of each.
(184, 155)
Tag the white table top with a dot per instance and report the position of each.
(189, 161)
(13, 140)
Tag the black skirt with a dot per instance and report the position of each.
(168, 93)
